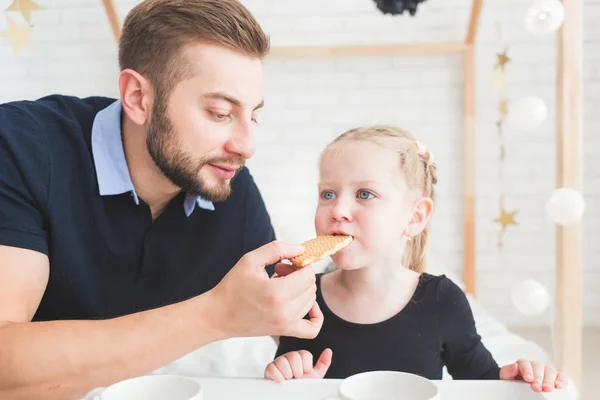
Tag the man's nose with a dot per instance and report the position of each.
(242, 141)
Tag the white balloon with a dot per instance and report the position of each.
(527, 113)
(544, 17)
(565, 206)
(530, 297)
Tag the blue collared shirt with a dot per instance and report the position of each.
(111, 165)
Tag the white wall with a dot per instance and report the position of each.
(311, 101)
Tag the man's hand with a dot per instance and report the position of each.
(298, 364)
(541, 377)
(249, 303)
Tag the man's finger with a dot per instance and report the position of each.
(300, 306)
(323, 364)
(273, 252)
(296, 283)
(282, 269)
(309, 329)
(315, 314)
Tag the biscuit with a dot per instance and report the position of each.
(320, 247)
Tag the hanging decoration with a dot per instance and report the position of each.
(506, 218)
(527, 114)
(565, 206)
(19, 35)
(544, 17)
(395, 7)
(499, 86)
(25, 7)
(530, 297)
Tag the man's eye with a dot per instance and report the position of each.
(218, 116)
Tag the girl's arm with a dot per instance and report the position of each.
(463, 353)
(467, 358)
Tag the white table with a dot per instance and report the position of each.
(309, 389)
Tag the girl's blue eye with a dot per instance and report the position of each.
(364, 195)
(327, 195)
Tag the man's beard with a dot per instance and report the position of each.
(181, 169)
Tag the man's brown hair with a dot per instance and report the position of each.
(156, 32)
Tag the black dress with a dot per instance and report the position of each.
(435, 329)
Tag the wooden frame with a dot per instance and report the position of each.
(568, 150)
(113, 18)
(569, 156)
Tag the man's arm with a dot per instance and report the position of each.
(65, 359)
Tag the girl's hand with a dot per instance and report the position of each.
(298, 364)
(541, 377)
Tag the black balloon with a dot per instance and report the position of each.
(395, 7)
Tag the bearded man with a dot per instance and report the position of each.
(131, 233)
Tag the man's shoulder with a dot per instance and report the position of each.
(52, 109)
(31, 130)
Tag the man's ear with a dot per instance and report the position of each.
(421, 215)
(137, 96)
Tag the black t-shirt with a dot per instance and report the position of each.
(435, 329)
(107, 256)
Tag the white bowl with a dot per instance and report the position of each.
(154, 387)
(388, 385)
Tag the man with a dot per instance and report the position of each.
(130, 231)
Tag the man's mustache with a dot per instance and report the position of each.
(233, 161)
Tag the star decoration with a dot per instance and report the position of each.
(17, 35)
(503, 59)
(25, 7)
(503, 108)
(505, 219)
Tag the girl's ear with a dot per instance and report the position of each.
(421, 215)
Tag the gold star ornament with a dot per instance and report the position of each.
(17, 35)
(503, 59)
(25, 7)
(505, 219)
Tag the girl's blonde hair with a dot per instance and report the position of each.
(418, 167)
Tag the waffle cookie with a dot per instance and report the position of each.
(320, 247)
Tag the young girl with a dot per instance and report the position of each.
(380, 311)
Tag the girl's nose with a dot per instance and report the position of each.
(341, 212)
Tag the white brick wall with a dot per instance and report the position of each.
(310, 101)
